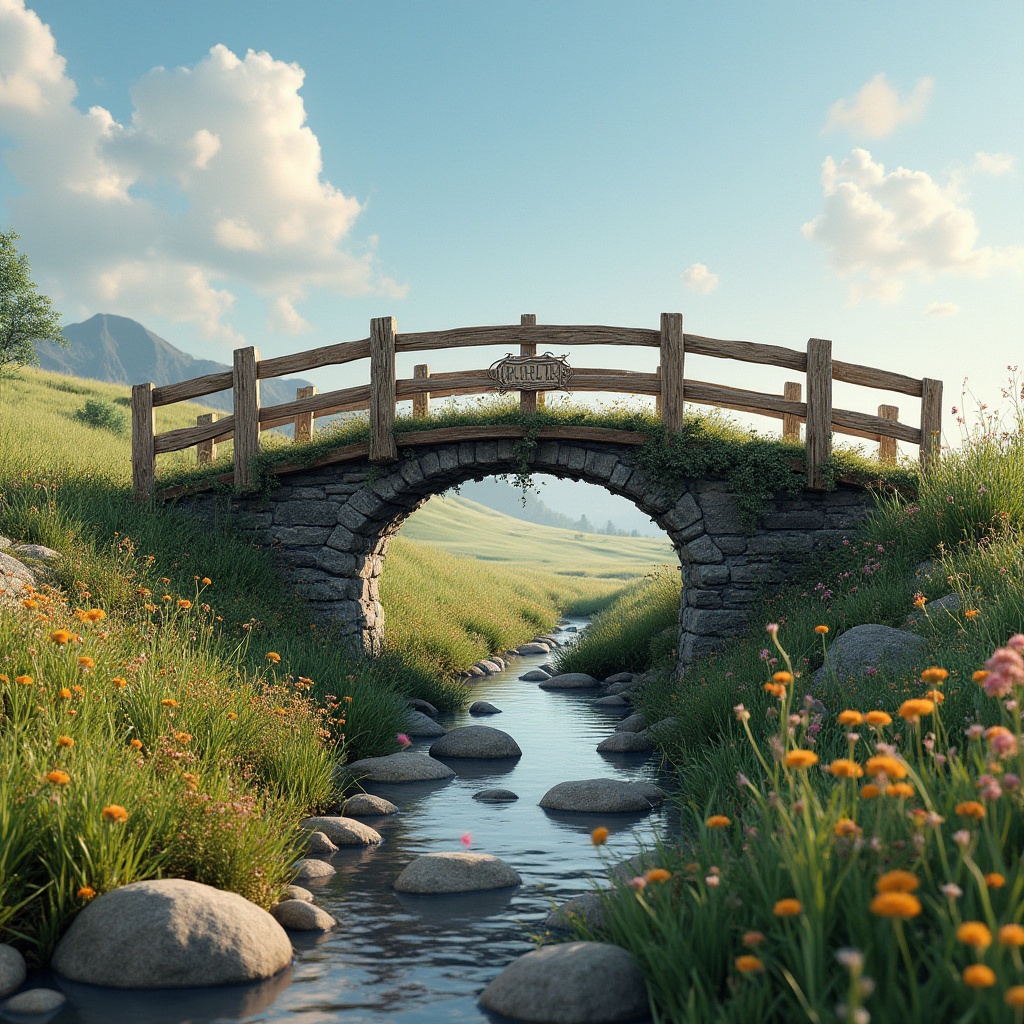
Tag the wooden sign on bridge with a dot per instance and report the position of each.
(808, 401)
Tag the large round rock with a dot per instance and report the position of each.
(572, 983)
(12, 969)
(342, 831)
(872, 646)
(436, 873)
(416, 723)
(627, 743)
(402, 767)
(602, 796)
(475, 741)
(570, 681)
(365, 805)
(171, 933)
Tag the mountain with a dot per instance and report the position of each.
(121, 351)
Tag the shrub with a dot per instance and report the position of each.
(103, 415)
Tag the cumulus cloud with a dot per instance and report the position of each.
(226, 139)
(877, 110)
(995, 164)
(879, 229)
(698, 278)
(938, 309)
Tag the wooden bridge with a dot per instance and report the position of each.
(808, 401)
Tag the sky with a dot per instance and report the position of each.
(238, 172)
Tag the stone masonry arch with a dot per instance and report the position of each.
(331, 526)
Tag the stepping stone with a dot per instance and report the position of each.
(419, 724)
(570, 983)
(302, 916)
(475, 671)
(365, 805)
(436, 873)
(602, 796)
(535, 675)
(296, 892)
(621, 677)
(612, 701)
(309, 869)
(475, 741)
(617, 688)
(627, 743)
(12, 969)
(570, 681)
(423, 706)
(481, 707)
(405, 766)
(533, 648)
(635, 723)
(490, 668)
(319, 844)
(34, 1002)
(587, 908)
(495, 796)
(342, 831)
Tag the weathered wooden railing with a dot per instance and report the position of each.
(668, 385)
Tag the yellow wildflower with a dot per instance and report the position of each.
(895, 904)
(788, 908)
(979, 976)
(801, 759)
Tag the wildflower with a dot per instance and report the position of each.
(919, 600)
(65, 741)
(713, 881)
(935, 696)
(232, 716)
(23, 680)
(639, 883)
(169, 702)
(844, 768)
(120, 682)
(748, 964)
(599, 836)
(64, 693)
(150, 607)
(741, 713)
(775, 689)
(782, 677)
(183, 737)
(1011, 935)
(850, 717)
(466, 839)
(971, 809)
(962, 837)
(192, 781)
(878, 718)
(994, 880)
(788, 908)
(85, 662)
(115, 813)
(971, 613)
(822, 630)
(979, 976)
(166, 597)
(29, 603)
(718, 821)
(135, 744)
(87, 892)
(952, 891)
(897, 881)
(901, 905)
(846, 827)
(801, 759)
(886, 764)
(772, 628)
(1006, 670)
(57, 778)
(1014, 996)
(402, 740)
(870, 791)
(60, 636)
(206, 581)
(934, 675)
(183, 603)
(657, 875)
(95, 615)
(273, 657)
(280, 712)
(913, 709)
(751, 939)
(901, 789)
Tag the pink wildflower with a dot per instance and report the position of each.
(466, 839)
(402, 740)
(637, 883)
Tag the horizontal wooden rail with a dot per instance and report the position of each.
(746, 351)
(869, 377)
(186, 390)
(509, 336)
(328, 355)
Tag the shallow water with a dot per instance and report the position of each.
(418, 959)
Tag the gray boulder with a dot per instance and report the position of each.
(936, 611)
(171, 933)
(602, 796)
(663, 730)
(302, 916)
(587, 908)
(870, 646)
(16, 579)
(533, 648)
(616, 688)
(418, 724)
(613, 700)
(12, 969)
(318, 844)
(634, 723)
(535, 675)
(635, 865)
(342, 831)
(495, 796)
(436, 873)
(475, 741)
(570, 681)
(627, 743)
(422, 705)
(35, 1002)
(570, 983)
(621, 677)
(296, 892)
(365, 805)
(492, 668)
(309, 869)
(404, 766)
(482, 707)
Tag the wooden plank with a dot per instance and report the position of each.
(247, 416)
(304, 420)
(382, 389)
(746, 351)
(873, 427)
(529, 400)
(185, 390)
(468, 382)
(792, 391)
(672, 384)
(488, 432)
(328, 355)
(327, 404)
(748, 401)
(206, 451)
(186, 437)
(421, 401)
(143, 446)
(548, 336)
(931, 421)
(818, 438)
(869, 377)
(887, 445)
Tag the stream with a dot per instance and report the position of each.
(419, 959)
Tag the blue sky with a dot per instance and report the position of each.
(461, 163)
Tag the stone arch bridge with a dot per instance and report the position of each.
(331, 523)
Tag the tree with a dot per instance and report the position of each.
(25, 316)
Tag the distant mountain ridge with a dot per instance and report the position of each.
(119, 350)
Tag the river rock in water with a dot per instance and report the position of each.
(309, 869)
(319, 845)
(342, 831)
(570, 681)
(635, 723)
(365, 805)
(296, 892)
(627, 743)
(422, 705)
(12, 969)
(437, 873)
(587, 908)
(404, 766)
(495, 796)
(533, 648)
(475, 741)
(570, 983)
(35, 1002)
(419, 724)
(171, 933)
(602, 796)
(535, 675)
(302, 916)
(482, 707)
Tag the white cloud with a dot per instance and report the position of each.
(993, 163)
(877, 110)
(216, 182)
(698, 278)
(938, 309)
(880, 229)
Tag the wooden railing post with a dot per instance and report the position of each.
(143, 446)
(246, 389)
(931, 420)
(206, 451)
(529, 401)
(819, 411)
(887, 445)
(304, 421)
(421, 402)
(672, 354)
(792, 391)
(657, 397)
(382, 389)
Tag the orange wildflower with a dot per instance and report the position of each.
(60, 636)
(1011, 935)
(748, 964)
(23, 680)
(87, 892)
(850, 717)
(888, 765)
(86, 662)
(901, 905)
(934, 675)
(844, 768)
(878, 718)
(913, 710)
(870, 791)
(846, 827)
(775, 689)
(120, 682)
(897, 881)
(273, 657)
(979, 976)
(135, 744)
(994, 880)
(980, 676)
(599, 836)
(657, 875)
(718, 821)
(65, 741)
(801, 759)
(57, 778)
(971, 809)
(901, 789)
(788, 908)
(115, 813)
(783, 677)
(822, 630)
